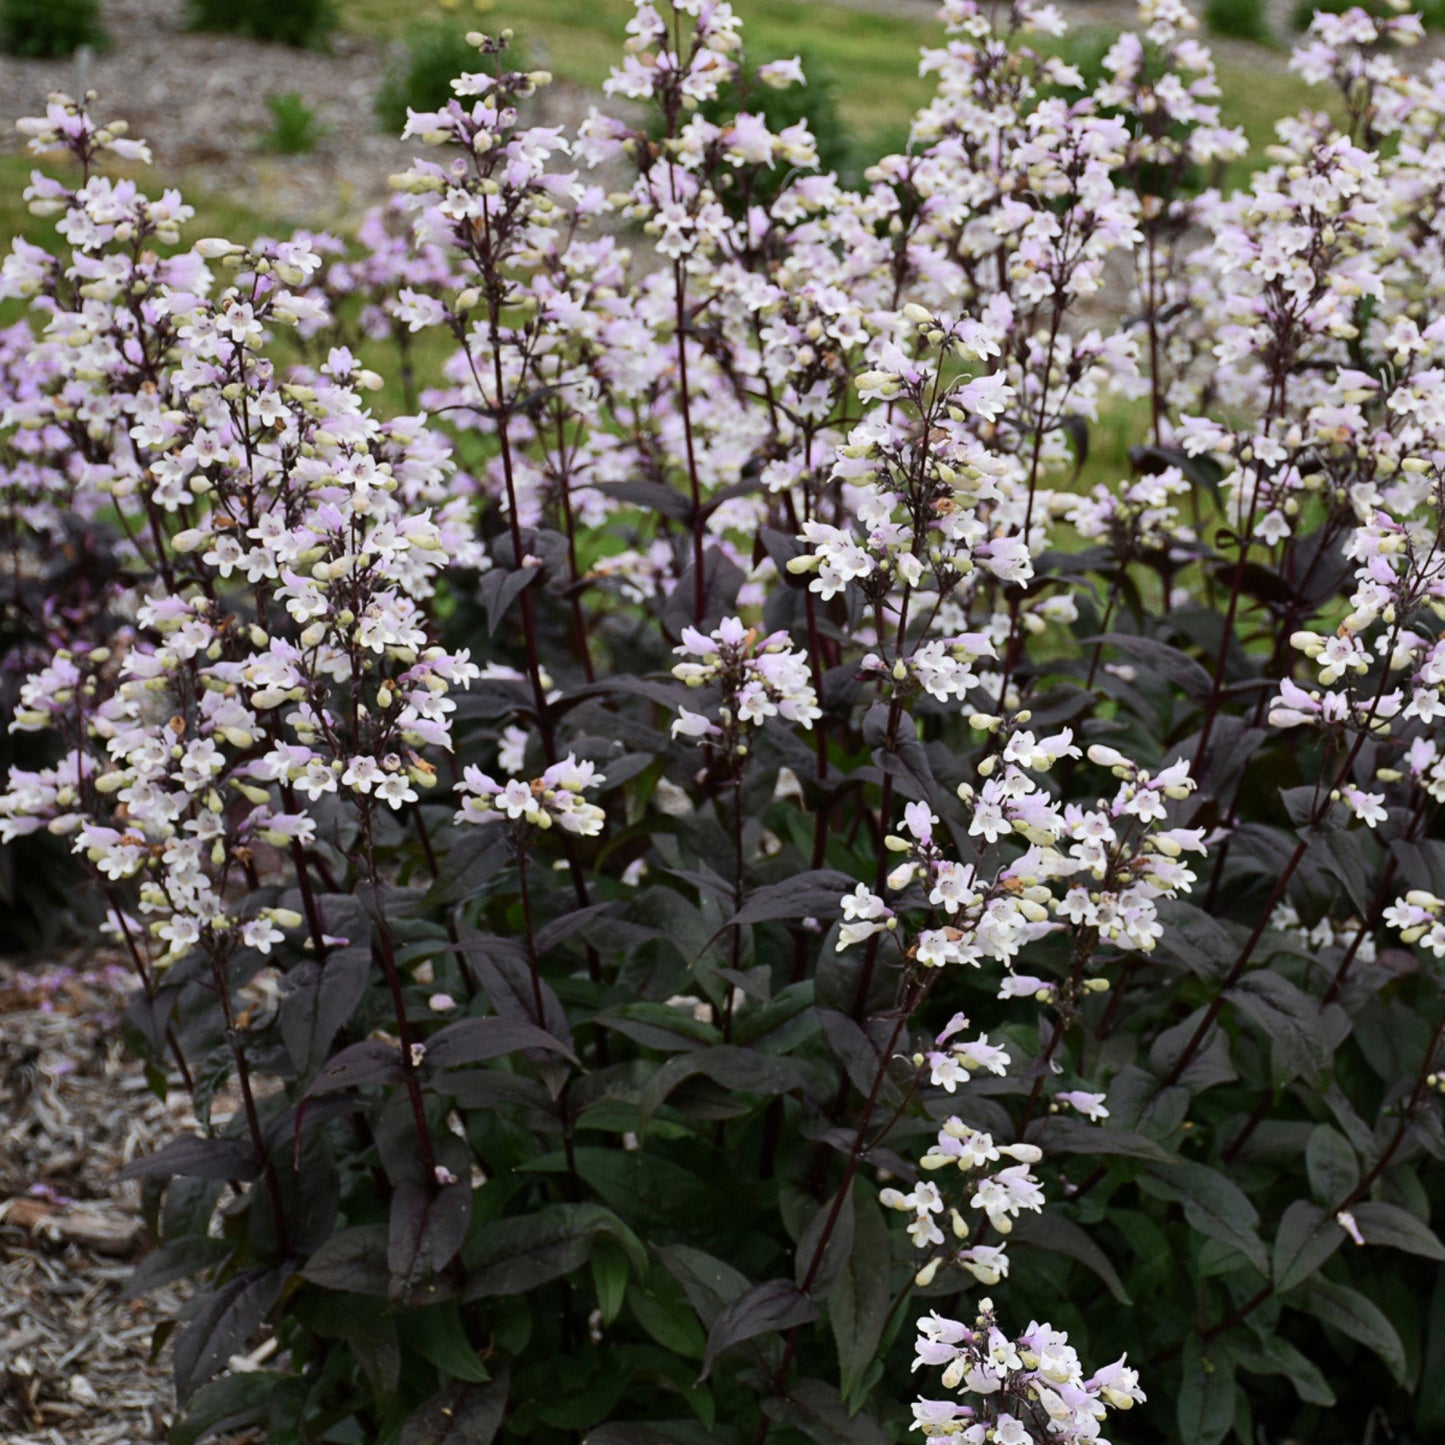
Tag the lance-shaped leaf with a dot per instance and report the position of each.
(709, 1284)
(650, 496)
(425, 1232)
(858, 1304)
(1214, 1205)
(815, 1408)
(836, 1248)
(438, 1333)
(194, 1158)
(463, 1414)
(559, 930)
(1053, 1231)
(1274, 1356)
(862, 1056)
(1307, 1238)
(475, 1041)
(225, 1406)
(322, 1000)
(499, 588)
(372, 1061)
(814, 894)
(1331, 1164)
(1382, 1223)
(514, 1255)
(1290, 1020)
(186, 1257)
(1205, 1408)
(220, 1322)
(352, 1261)
(1161, 660)
(777, 1304)
(1060, 1134)
(1348, 1311)
(505, 974)
(656, 1026)
(473, 862)
(745, 1070)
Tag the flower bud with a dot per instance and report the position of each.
(1107, 757)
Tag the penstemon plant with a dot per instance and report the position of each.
(709, 875)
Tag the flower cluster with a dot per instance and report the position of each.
(1031, 1387)
(1099, 871)
(553, 800)
(756, 678)
(279, 650)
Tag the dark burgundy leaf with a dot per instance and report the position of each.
(461, 1415)
(859, 1303)
(372, 1061)
(1056, 1232)
(836, 1251)
(228, 1405)
(744, 1070)
(353, 1260)
(499, 588)
(765, 1309)
(710, 1284)
(858, 1054)
(651, 496)
(1357, 1318)
(426, 1230)
(1213, 1204)
(1161, 659)
(475, 1041)
(815, 894)
(549, 935)
(475, 859)
(220, 1322)
(721, 580)
(814, 1408)
(190, 1255)
(517, 1254)
(1383, 1223)
(322, 1003)
(502, 968)
(195, 1158)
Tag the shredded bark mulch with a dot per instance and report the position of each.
(75, 1353)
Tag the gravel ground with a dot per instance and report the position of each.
(74, 1107)
(200, 101)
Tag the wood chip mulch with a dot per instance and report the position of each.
(75, 1366)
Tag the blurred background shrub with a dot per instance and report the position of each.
(49, 29)
(304, 23)
(1237, 19)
